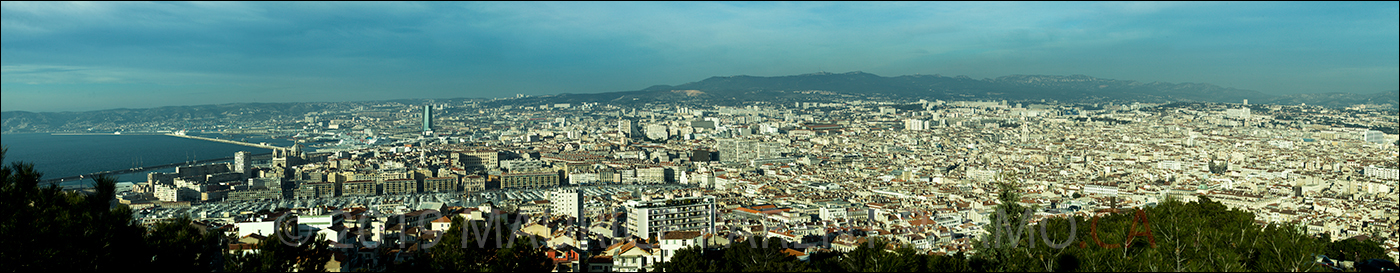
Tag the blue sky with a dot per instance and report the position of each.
(88, 56)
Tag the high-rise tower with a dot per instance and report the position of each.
(427, 118)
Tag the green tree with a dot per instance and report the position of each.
(520, 256)
(50, 229)
(1355, 250)
(456, 252)
(275, 255)
(178, 245)
(759, 255)
(689, 259)
(872, 257)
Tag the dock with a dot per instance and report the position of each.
(255, 145)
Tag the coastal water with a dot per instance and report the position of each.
(69, 155)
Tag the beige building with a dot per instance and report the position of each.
(529, 179)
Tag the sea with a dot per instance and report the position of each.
(59, 156)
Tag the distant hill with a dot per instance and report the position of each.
(23, 121)
(1337, 99)
(1074, 88)
(734, 90)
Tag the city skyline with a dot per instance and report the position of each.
(90, 56)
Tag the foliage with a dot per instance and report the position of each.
(1354, 250)
(475, 246)
(275, 255)
(751, 255)
(1217, 167)
(49, 229)
(177, 245)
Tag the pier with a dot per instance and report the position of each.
(255, 145)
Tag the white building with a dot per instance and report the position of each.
(567, 202)
(981, 175)
(1374, 136)
(1382, 173)
(675, 241)
(1107, 190)
(915, 125)
(1169, 164)
(646, 219)
(657, 131)
(627, 127)
(1242, 113)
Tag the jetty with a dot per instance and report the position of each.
(255, 145)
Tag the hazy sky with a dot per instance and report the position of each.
(88, 56)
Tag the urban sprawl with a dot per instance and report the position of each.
(637, 184)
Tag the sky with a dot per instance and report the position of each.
(80, 56)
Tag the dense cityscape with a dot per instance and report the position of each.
(636, 185)
(700, 136)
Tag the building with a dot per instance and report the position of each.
(272, 193)
(703, 124)
(487, 159)
(473, 183)
(427, 118)
(400, 186)
(359, 187)
(647, 219)
(1382, 173)
(1169, 164)
(1374, 136)
(627, 128)
(655, 174)
(529, 179)
(243, 163)
(440, 184)
(982, 175)
(567, 202)
(305, 190)
(1242, 113)
(675, 241)
(915, 125)
(1107, 190)
(657, 131)
(743, 150)
(317, 189)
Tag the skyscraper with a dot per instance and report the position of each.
(427, 118)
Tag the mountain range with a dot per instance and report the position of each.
(1074, 89)
(738, 90)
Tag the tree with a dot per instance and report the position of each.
(452, 253)
(44, 228)
(1217, 167)
(177, 245)
(520, 256)
(689, 259)
(275, 255)
(763, 255)
(1355, 250)
(990, 252)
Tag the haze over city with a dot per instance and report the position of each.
(91, 56)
